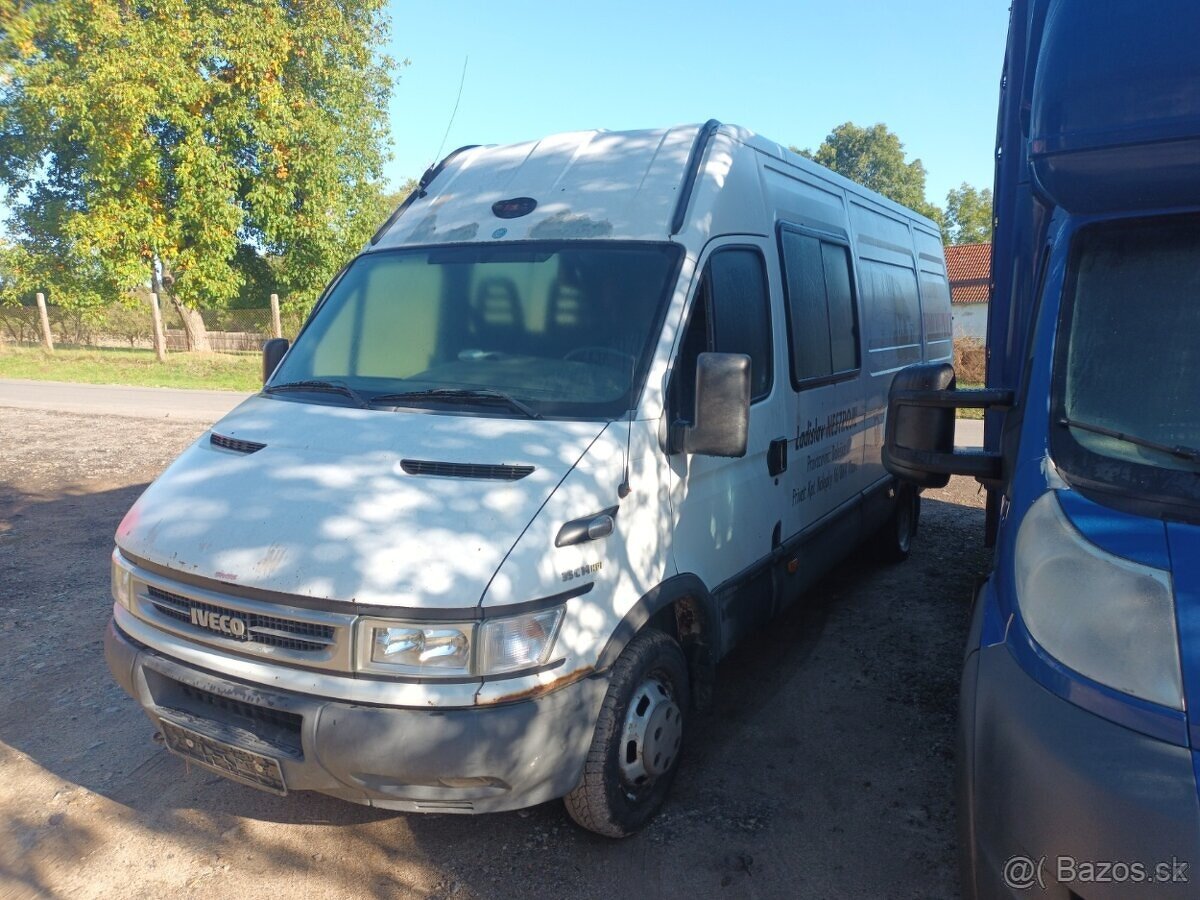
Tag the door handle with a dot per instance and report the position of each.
(777, 456)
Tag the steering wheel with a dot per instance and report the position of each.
(604, 356)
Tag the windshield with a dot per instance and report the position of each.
(1129, 359)
(558, 329)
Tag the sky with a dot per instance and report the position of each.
(791, 71)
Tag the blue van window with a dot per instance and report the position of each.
(1132, 373)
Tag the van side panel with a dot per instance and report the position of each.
(892, 331)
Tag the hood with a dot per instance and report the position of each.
(338, 503)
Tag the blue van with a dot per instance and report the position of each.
(1079, 730)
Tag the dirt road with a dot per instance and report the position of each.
(824, 771)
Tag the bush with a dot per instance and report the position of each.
(970, 360)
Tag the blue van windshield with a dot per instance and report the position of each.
(558, 329)
(1129, 361)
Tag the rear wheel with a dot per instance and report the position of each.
(638, 738)
(894, 540)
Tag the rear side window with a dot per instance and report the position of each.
(731, 314)
(893, 312)
(822, 313)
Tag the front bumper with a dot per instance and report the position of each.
(465, 760)
(1059, 786)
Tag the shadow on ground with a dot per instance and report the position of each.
(824, 768)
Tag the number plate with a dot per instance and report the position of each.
(233, 762)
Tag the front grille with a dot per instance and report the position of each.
(464, 470)
(287, 634)
(202, 701)
(229, 719)
(235, 444)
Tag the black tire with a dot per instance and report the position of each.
(893, 543)
(605, 801)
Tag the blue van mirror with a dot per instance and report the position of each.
(918, 441)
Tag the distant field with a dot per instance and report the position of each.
(210, 371)
(970, 413)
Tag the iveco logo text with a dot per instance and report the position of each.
(215, 622)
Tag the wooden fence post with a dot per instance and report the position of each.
(47, 337)
(160, 339)
(276, 323)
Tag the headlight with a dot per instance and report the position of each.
(122, 581)
(518, 642)
(1107, 618)
(444, 649)
(433, 649)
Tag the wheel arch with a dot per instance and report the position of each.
(683, 607)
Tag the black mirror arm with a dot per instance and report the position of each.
(984, 398)
(982, 465)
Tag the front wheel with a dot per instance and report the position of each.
(635, 749)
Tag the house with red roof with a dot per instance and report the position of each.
(969, 270)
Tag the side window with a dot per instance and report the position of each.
(731, 314)
(741, 313)
(843, 318)
(823, 317)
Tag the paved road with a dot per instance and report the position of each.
(111, 400)
(198, 406)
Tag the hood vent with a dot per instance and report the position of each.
(237, 446)
(464, 470)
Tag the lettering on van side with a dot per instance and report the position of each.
(816, 431)
(590, 569)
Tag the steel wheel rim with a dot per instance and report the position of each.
(651, 734)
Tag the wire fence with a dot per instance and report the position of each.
(245, 330)
(132, 327)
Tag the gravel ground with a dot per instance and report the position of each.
(824, 770)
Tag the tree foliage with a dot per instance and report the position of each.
(874, 157)
(968, 215)
(184, 141)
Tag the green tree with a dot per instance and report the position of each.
(158, 140)
(968, 215)
(874, 157)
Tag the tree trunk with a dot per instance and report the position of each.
(194, 332)
(195, 335)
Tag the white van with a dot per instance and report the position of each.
(586, 412)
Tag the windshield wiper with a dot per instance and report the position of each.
(1188, 453)
(318, 386)
(468, 395)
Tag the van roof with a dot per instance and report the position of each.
(587, 184)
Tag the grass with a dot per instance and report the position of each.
(969, 413)
(211, 371)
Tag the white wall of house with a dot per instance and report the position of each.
(970, 320)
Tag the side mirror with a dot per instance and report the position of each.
(722, 416)
(918, 440)
(273, 351)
